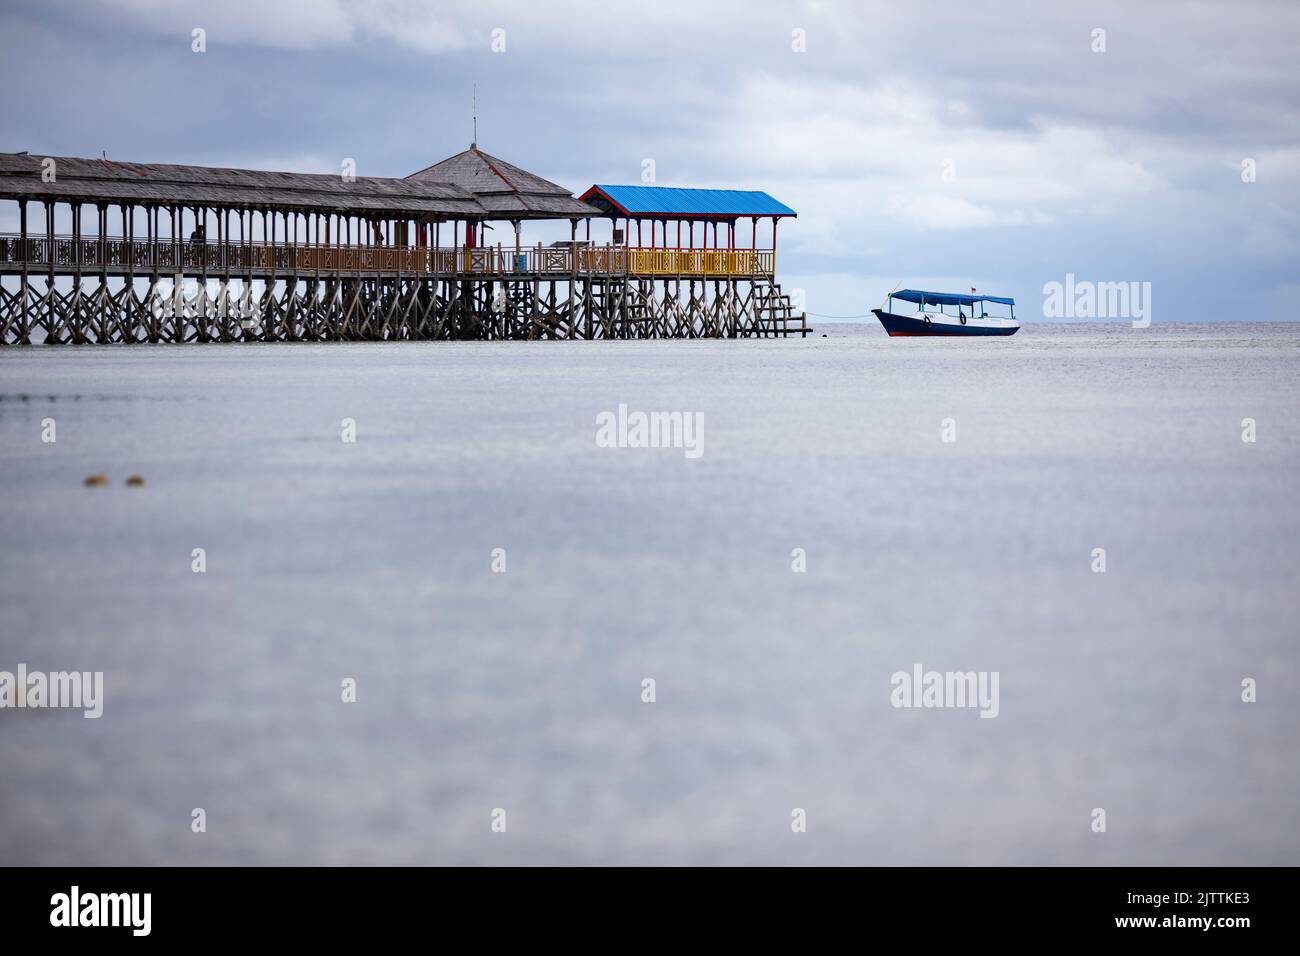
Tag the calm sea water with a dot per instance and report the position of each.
(522, 690)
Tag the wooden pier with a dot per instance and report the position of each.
(222, 255)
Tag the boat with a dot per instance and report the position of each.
(970, 315)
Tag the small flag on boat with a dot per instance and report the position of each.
(972, 288)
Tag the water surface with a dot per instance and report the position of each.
(522, 690)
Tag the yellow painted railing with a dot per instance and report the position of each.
(659, 262)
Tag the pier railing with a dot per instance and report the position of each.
(117, 255)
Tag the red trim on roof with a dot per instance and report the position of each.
(596, 190)
(473, 148)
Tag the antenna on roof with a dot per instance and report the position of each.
(473, 108)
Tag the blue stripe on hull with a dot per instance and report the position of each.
(911, 325)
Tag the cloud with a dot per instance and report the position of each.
(847, 150)
(289, 24)
(1271, 240)
(946, 212)
(1125, 163)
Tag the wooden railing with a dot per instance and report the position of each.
(166, 256)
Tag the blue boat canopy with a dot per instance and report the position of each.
(947, 298)
(672, 202)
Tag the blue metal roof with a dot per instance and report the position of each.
(947, 298)
(685, 203)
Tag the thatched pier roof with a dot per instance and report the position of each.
(422, 196)
(507, 191)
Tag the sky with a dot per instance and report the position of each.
(998, 145)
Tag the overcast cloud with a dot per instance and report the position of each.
(1122, 165)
